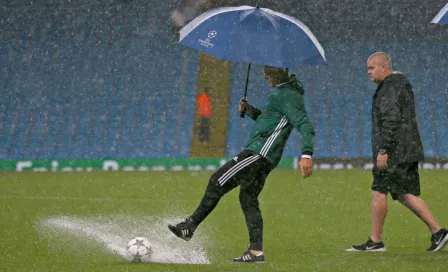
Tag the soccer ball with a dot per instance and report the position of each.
(140, 249)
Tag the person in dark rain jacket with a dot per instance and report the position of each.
(397, 149)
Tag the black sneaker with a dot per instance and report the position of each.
(369, 246)
(248, 257)
(438, 240)
(183, 230)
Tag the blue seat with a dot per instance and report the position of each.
(351, 133)
(441, 119)
(426, 127)
(337, 125)
(322, 128)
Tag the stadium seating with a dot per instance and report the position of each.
(106, 85)
(89, 89)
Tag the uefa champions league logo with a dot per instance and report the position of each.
(212, 34)
(208, 41)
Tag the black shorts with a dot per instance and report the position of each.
(397, 180)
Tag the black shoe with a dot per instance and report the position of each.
(369, 246)
(438, 240)
(183, 230)
(249, 258)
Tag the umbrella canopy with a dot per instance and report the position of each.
(253, 35)
(441, 17)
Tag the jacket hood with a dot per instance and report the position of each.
(396, 76)
(292, 83)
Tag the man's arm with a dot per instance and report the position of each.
(293, 107)
(250, 110)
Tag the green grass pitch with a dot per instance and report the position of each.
(81, 221)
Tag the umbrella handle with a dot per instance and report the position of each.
(243, 113)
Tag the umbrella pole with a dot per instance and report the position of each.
(245, 89)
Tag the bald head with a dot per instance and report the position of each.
(379, 66)
(382, 59)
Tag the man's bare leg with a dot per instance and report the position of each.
(419, 207)
(379, 212)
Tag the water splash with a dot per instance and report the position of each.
(115, 232)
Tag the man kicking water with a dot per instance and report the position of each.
(284, 111)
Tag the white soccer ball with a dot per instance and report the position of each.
(140, 249)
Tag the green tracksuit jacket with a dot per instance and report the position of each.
(284, 111)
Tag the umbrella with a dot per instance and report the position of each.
(253, 35)
(441, 17)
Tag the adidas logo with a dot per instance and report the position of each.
(247, 257)
(235, 158)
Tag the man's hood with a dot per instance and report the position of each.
(292, 83)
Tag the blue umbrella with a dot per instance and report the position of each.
(441, 17)
(253, 35)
